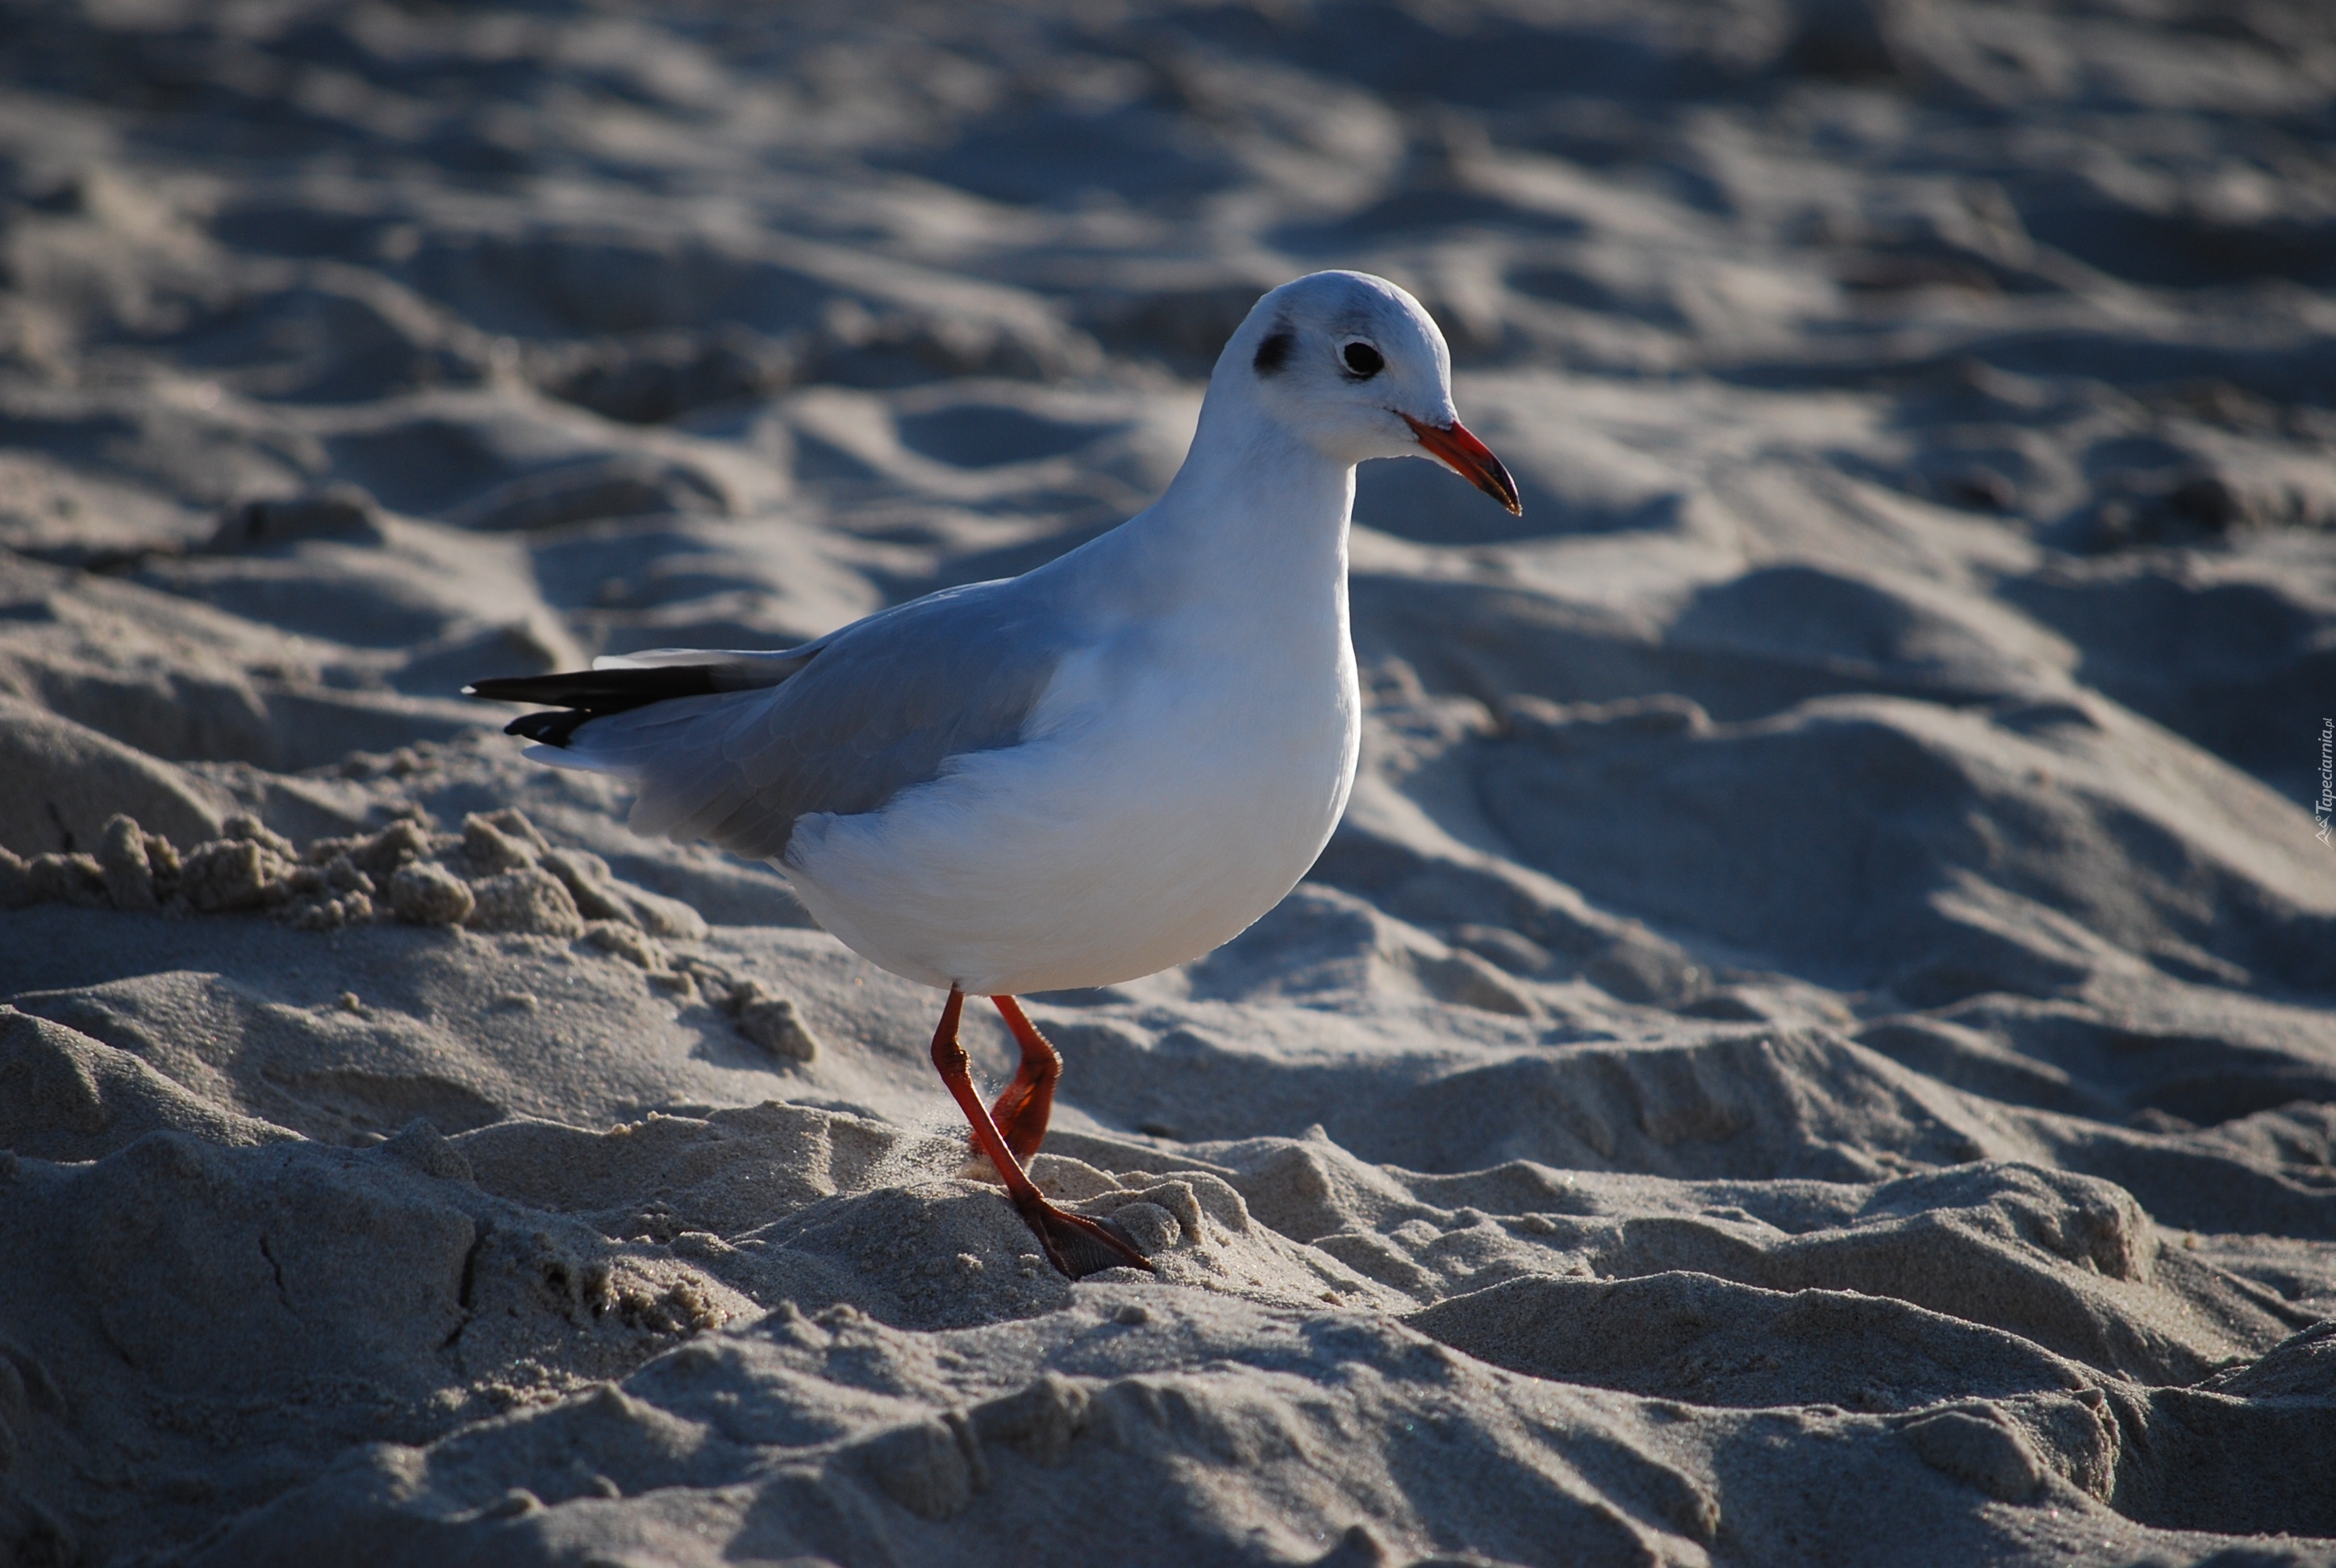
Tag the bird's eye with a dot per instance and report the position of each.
(1363, 360)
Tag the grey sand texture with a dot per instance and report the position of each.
(1814, 1040)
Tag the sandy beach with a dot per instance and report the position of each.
(1813, 1043)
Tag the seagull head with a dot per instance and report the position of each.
(1355, 366)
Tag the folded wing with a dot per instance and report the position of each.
(733, 747)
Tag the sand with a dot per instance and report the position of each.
(1815, 1042)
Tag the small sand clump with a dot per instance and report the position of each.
(236, 874)
(775, 1024)
(493, 844)
(129, 865)
(528, 900)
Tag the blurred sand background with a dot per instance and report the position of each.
(1815, 1042)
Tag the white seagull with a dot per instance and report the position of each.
(1094, 770)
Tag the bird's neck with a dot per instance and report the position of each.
(1255, 516)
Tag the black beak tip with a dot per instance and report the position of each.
(1501, 488)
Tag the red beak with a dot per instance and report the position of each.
(1470, 458)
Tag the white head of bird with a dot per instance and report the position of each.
(1353, 367)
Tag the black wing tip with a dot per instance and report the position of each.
(552, 728)
(602, 690)
(578, 697)
(527, 688)
(587, 694)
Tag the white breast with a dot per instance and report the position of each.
(1173, 789)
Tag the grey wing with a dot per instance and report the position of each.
(878, 707)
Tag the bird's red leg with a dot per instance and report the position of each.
(1022, 1112)
(1075, 1245)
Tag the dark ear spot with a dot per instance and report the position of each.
(1274, 351)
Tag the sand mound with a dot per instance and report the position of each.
(1812, 1045)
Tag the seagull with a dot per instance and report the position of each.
(1100, 769)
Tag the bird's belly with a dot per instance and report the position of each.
(1084, 859)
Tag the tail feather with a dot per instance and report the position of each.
(600, 690)
(580, 696)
